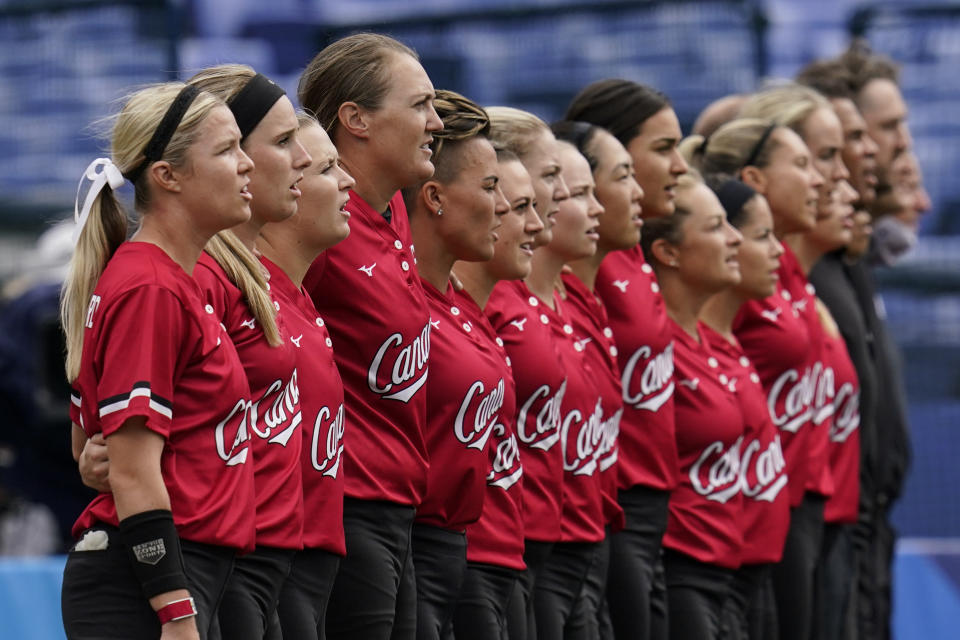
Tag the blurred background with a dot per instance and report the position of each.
(64, 64)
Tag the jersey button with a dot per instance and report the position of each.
(398, 244)
(533, 301)
(544, 319)
(455, 311)
(208, 309)
(712, 362)
(405, 265)
(567, 329)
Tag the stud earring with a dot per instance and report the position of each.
(439, 212)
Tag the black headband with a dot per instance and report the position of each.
(733, 194)
(253, 102)
(759, 146)
(165, 130)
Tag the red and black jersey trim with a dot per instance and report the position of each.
(140, 390)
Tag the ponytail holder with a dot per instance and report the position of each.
(109, 174)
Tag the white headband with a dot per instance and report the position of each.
(110, 174)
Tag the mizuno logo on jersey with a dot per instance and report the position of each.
(249, 324)
(621, 284)
(690, 384)
(367, 270)
(773, 315)
(519, 323)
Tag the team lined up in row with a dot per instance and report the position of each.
(478, 461)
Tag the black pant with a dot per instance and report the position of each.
(250, 601)
(874, 540)
(481, 612)
(374, 595)
(836, 581)
(521, 620)
(557, 589)
(794, 575)
(102, 598)
(440, 563)
(750, 612)
(636, 592)
(303, 602)
(696, 592)
(590, 611)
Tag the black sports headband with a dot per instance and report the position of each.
(733, 194)
(165, 130)
(253, 102)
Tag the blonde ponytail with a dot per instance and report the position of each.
(104, 232)
(245, 271)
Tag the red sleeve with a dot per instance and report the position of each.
(75, 402)
(138, 347)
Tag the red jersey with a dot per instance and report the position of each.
(804, 296)
(465, 397)
(763, 478)
(497, 537)
(321, 401)
(591, 328)
(638, 317)
(703, 519)
(274, 415)
(843, 505)
(368, 292)
(541, 382)
(153, 348)
(777, 340)
(582, 517)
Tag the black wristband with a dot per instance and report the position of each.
(153, 546)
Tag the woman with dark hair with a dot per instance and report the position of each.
(375, 101)
(642, 119)
(495, 543)
(694, 252)
(619, 230)
(454, 216)
(750, 612)
(157, 545)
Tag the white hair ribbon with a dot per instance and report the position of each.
(109, 174)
